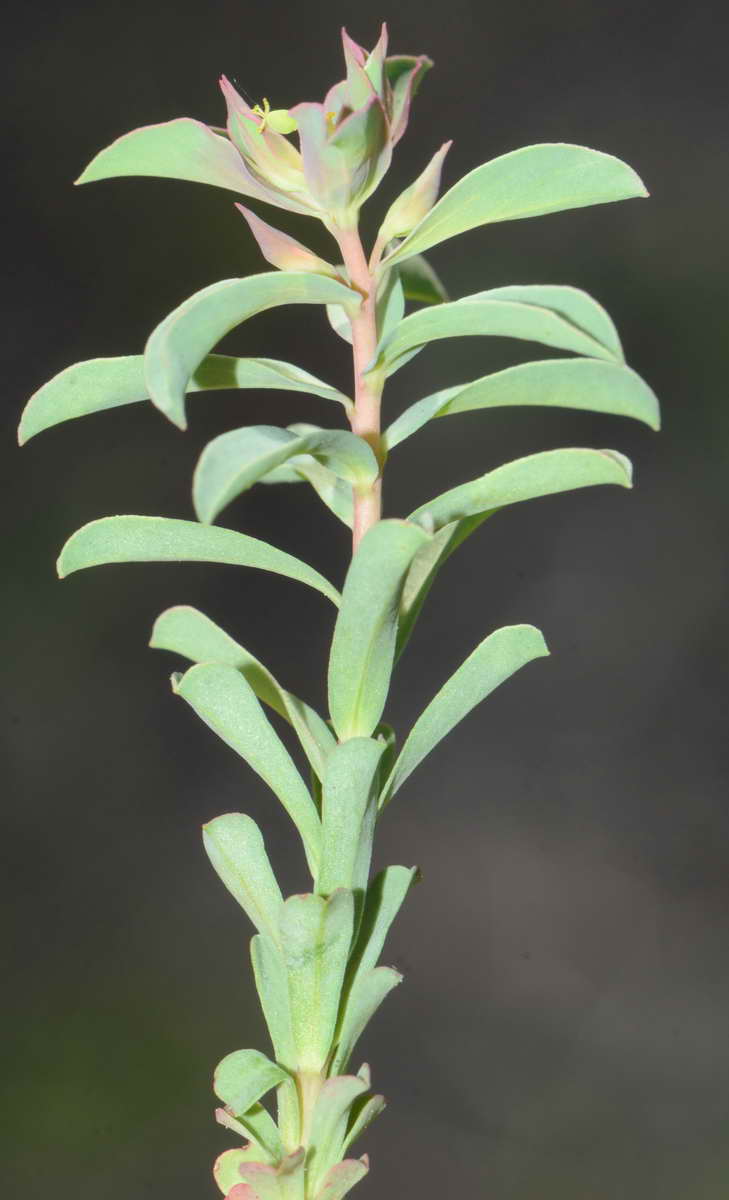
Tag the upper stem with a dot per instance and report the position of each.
(365, 418)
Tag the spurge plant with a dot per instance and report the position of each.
(315, 956)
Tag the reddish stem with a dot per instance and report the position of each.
(365, 418)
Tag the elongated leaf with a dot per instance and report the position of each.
(163, 539)
(341, 1179)
(316, 935)
(258, 1127)
(349, 809)
(243, 1077)
(269, 971)
(364, 637)
(235, 847)
(424, 569)
(362, 1004)
(384, 900)
(582, 383)
(223, 699)
(420, 282)
(496, 658)
(576, 306)
(233, 462)
(102, 383)
(180, 343)
(329, 1124)
(471, 317)
(363, 986)
(524, 183)
(540, 474)
(182, 149)
(364, 1117)
(187, 631)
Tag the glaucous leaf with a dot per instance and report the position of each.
(348, 814)
(235, 847)
(329, 1125)
(269, 971)
(420, 282)
(243, 1077)
(541, 474)
(362, 1003)
(471, 317)
(284, 1181)
(529, 182)
(103, 383)
(179, 344)
(364, 987)
(580, 383)
(497, 658)
(363, 645)
(225, 1170)
(258, 1127)
(342, 1178)
(423, 570)
(316, 935)
(223, 699)
(572, 303)
(180, 149)
(163, 539)
(234, 461)
(185, 630)
(364, 1117)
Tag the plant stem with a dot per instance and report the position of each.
(365, 419)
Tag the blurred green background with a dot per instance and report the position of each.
(562, 1032)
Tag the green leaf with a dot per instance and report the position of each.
(182, 149)
(329, 1125)
(269, 971)
(420, 282)
(342, 1178)
(349, 811)
(243, 1077)
(282, 1182)
(257, 1126)
(423, 570)
(362, 1004)
(186, 631)
(102, 383)
(540, 474)
(164, 539)
(334, 492)
(316, 935)
(524, 183)
(497, 658)
(472, 316)
(180, 343)
(233, 462)
(364, 1117)
(223, 699)
(582, 383)
(390, 304)
(235, 847)
(363, 646)
(225, 1170)
(364, 987)
(572, 303)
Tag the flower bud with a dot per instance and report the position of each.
(415, 202)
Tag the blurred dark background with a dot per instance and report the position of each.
(562, 1032)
